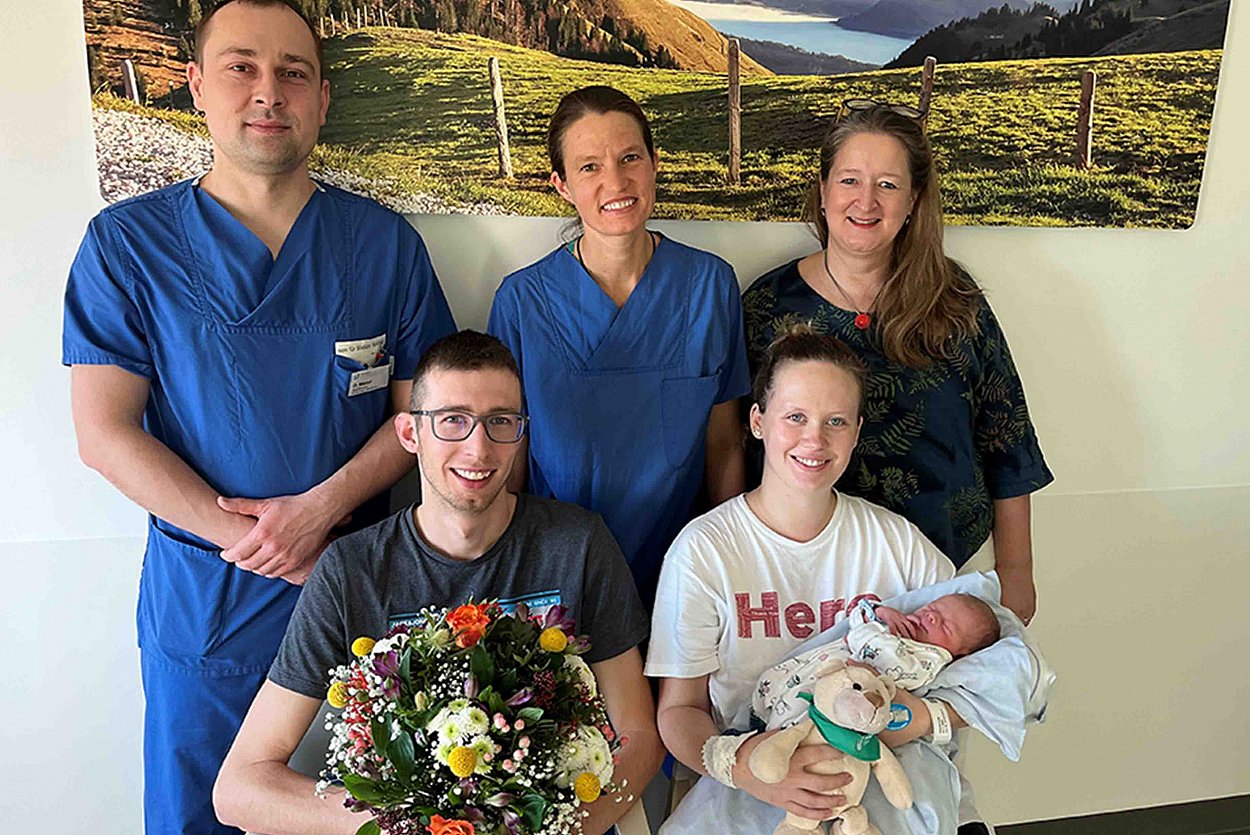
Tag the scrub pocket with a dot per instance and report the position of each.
(686, 404)
(182, 596)
(356, 416)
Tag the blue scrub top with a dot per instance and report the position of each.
(246, 386)
(619, 397)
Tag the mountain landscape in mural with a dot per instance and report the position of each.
(1088, 113)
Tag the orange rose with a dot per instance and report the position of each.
(469, 622)
(441, 826)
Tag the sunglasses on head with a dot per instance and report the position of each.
(860, 105)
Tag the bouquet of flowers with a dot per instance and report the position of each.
(470, 722)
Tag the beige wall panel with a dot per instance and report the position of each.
(71, 702)
(1143, 613)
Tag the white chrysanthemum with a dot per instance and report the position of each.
(583, 671)
(599, 760)
(483, 746)
(395, 642)
(475, 721)
(597, 748)
(452, 730)
(438, 721)
(444, 751)
(457, 705)
(572, 762)
(586, 751)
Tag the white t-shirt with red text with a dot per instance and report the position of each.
(735, 597)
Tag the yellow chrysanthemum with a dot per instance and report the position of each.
(337, 695)
(462, 761)
(553, 639)
(362, 646)
(587, 787)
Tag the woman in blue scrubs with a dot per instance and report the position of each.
(630, 344)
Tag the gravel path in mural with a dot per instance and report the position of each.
(136, 154)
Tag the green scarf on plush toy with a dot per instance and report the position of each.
(861, 746)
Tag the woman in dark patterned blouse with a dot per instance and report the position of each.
(946, 440)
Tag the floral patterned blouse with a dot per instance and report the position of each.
(939, 444)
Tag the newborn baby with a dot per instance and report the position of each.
(910, 649)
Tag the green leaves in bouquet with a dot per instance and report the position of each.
(530, 714)
(405, 667)
(369, 827)
(395, 744)
(403, 755)
(533, 807)
(381, 732)
(366, 790)
(481, 666)
(379, 794)
(493, 701)
(513, 630)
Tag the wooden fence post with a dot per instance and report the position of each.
(735, 115)
(130, 81)
(1085, 121)
(926, 86)
(501, 121)
(359, 25)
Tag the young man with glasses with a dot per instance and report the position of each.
(468, 538)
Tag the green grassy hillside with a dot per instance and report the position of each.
(414, 108)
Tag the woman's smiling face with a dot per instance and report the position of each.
(609, 174)
(868, 194)
(809, 425)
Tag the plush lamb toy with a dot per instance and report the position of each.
(848, 707)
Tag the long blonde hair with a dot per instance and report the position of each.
(928, 304)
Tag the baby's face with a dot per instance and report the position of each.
(948, 622)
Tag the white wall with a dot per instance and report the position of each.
(1132, 345)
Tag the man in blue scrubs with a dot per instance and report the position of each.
(237, 343)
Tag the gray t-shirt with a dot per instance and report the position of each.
(365, 583)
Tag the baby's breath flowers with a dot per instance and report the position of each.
(471, 721)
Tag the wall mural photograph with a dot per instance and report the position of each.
(1063, 113)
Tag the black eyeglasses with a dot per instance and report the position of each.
(904, 110)
(455, 425)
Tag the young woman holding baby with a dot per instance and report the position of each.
(748, 582)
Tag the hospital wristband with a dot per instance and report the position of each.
(720, 752)
(941, 717)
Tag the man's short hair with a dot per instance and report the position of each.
(464, 351)
(201, 28)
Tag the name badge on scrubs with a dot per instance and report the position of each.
(370, 379)
(367, 352)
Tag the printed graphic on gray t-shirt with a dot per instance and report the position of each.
(551, 553)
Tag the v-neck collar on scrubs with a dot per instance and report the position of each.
(601, 335)
(243, 285)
